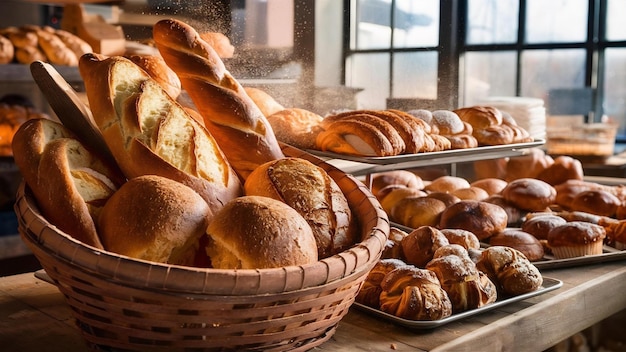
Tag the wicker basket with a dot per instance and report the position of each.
(123, 304)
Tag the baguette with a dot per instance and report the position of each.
(55, 49)
(238, 125)
(70, 183)
(150, 133)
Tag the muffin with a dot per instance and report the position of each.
(576, 239)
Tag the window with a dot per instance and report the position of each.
(500, 48)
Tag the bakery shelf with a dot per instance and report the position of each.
(360, 166)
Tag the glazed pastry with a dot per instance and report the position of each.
(420, 245)
(510, 270)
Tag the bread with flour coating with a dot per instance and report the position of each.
(150, 133)
(234, 120)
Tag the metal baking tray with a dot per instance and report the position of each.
(384, 163)
(609, 254)
(548, 285)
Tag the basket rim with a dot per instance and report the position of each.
(35, 230)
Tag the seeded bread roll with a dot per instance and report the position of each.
(313, 194)
(254, 232)
(154, 218)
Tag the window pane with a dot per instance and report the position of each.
(492, 21)
(415, 75)
(373, 23)
(615, 28)
(416, 23)
(614, 104)
(488, 74)
(370, 72)
(543, 70)
(556, 21)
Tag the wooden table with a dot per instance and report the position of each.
(34, 317)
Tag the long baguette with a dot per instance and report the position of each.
(150, 133)
(70, 183)
(238, 125)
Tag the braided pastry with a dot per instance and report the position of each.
(413, 293)
(510, 270)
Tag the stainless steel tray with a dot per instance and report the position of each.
(548, 285)
(362, 165)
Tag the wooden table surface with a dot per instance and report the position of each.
(34, 317)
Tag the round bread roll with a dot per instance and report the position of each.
(596, 201)
(494, 135)
(529, 165)
(396, 177)
(576, 239)
(461, 237)
(369, 294)
(473, 193)
(154, 218)
(309, 190)
(520, 240)
(530, 194)
(297, 127)
(447, 198)
(156, 68)
(539, 226)
(414, 212)
(447, 184)
(254, 232)
(562, 169)
(515, 215)
(481, 218)
(447, 122)
(389, 201)
(491, 185)
(568, 190)
(420, 245)
(510, 270)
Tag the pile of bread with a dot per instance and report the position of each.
(29, 43)
(430, 274)
(380, 133)
(511, 210)
(208, 187)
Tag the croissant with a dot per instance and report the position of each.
(413, 293)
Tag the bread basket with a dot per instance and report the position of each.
(123, 304)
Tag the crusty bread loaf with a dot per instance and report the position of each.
(70, 183)
(27, 54)
(154, 218)
(234, 120)
(220, 43)
(313, 194)
(264, 101)
(254, 232)
(353, 137)
(149, 133)
(296, 127)
(79, 46)
(156, 67)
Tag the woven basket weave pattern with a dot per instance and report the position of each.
(124, 304)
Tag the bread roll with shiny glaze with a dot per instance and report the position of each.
(395, 177)
(530, 194)
(563, 168)
(447, 184)
(420, 245)
(481, 218)
(510, 270)
(520, 240)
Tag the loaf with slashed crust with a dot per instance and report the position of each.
(149, 133)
